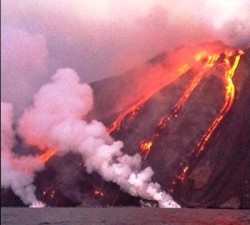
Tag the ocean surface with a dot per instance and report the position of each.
(122, 216)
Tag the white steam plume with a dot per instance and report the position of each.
(57, 121)
(16, 172)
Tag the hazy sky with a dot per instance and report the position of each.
(101, 38)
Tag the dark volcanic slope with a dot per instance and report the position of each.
(174, 142)
(111, 95)
(219, 177)
(223, 172)
(159, 105)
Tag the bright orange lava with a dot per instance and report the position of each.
(228, 101)
(182, 100)
(164, 121)
(206, 60)
(47, 155)
(183, 174)
(131, 113)
(145, 147)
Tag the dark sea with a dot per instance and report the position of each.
(122, 216)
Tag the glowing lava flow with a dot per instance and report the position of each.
(206, 63)
(183, 173)
(130, 113)
(228, 101)
(47, 155)
(229, 98)
(145, 145)
(181, 102)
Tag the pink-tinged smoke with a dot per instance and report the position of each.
(62, 100)
(23, 69)
(123, 34)
(101, 38)
(22, 51)
(58, 120)
(17, 172)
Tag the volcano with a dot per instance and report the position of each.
(187, 113)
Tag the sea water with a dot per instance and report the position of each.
(122, 216)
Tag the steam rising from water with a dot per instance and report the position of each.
(16, 172)
(57, 121)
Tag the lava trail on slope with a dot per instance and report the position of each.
(175, 145)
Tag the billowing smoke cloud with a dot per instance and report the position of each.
(56, 121)
(16, 172)
(55, 103)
